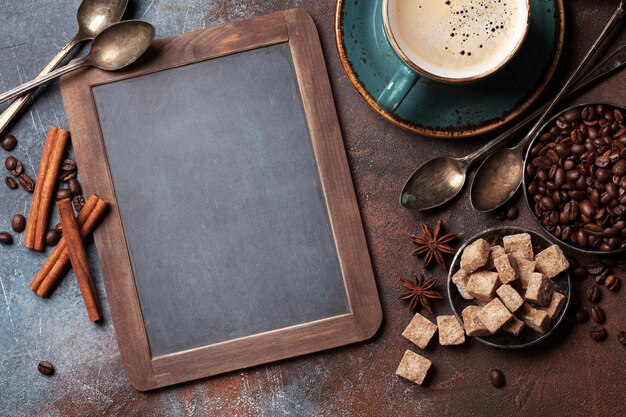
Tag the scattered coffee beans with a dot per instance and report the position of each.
(18, 223)
(63, 193)
(576, 178)
(8, 143)
(52, 237)
(69, 165)
(6, 238)
(612, 283)
(78, 202)
(512, 213)
(597, 332)
(594, 294)
(59, 229)
(11, 183)
(18, 170)
(597, 314)
(497, 378)
(66, 176)
(26, 182)
(595, 269)
(74, 187)
(622, 337)
(45, 368)
(10, 163)
(582, 316)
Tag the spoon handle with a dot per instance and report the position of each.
(10, 112)
(71, 66)
(615, 20)
(615, 61)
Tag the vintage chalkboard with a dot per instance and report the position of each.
(235, 238)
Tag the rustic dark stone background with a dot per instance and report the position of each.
(570, 375)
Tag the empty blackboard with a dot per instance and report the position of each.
(235, 238)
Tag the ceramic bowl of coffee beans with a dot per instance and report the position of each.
(575, 179)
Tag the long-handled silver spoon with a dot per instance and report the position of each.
(499, 176)
(93, 17)
(441, 179)
(114, 48)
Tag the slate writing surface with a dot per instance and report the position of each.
(220, 199)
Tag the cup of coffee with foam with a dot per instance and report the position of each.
(452, 41)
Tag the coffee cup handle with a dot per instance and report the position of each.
(398, 88)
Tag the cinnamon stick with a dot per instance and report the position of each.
(59, 249)
(43, 195)
(58, 262)
(78, 257)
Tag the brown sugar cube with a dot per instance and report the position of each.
(514, 326)
(506, 267)
(551, 261)
(495, 315)
(472, 323)
(556, 304)
(538, 320)
(511, 298)
(494, 252)
(413, 367)
(450, 331)
(420, 330)
(525, 269)
(483, 285)
(460, 280)
(539, 289)
(475, 255)
(519, 245)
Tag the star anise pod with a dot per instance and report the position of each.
(420, 292)
(433, 245)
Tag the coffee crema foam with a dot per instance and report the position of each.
(458, 38)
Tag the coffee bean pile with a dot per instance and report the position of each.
(17, 176)
(576, 178)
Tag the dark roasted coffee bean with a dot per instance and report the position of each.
(582, 316)
(619, 117)
(497, 378)
(593, 229)
(512, 213)
(10, 163)
(612, 283)
(18, 170)
(602, 276)
(69, 165)
(52, 237)
(597, 314)
(619, 168)
(18, 223)
(63, 193)
(74, 187)
(542, 162)
(622, 337)
(6, 238)
(604, 175)
(597, 333)
(27, 183)
(602, 161)
(596, 268)
(572, 115)
(594, 294)
(586, 208)
(10, 182)
(588, 114)
(8, 143)
(45, 368)
(66, 176)
(78, 202)
(59, 229)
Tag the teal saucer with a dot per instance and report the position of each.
(444, 110)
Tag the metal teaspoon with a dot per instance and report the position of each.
(499, 176)
(441, 179)
(114, 48)
(93, 16)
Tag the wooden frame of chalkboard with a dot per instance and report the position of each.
(364, 316)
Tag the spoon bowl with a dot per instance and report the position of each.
(96, 15)
(434, 183)
(121, 44)
(498, 178)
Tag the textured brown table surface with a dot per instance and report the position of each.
(570, 375)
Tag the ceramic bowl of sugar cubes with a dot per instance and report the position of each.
(510, 287)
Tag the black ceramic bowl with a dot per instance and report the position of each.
(529, 201)
(502, 340)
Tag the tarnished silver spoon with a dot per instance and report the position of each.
(441, 179)
(499, 176)
(93, 17)
(114, 48)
